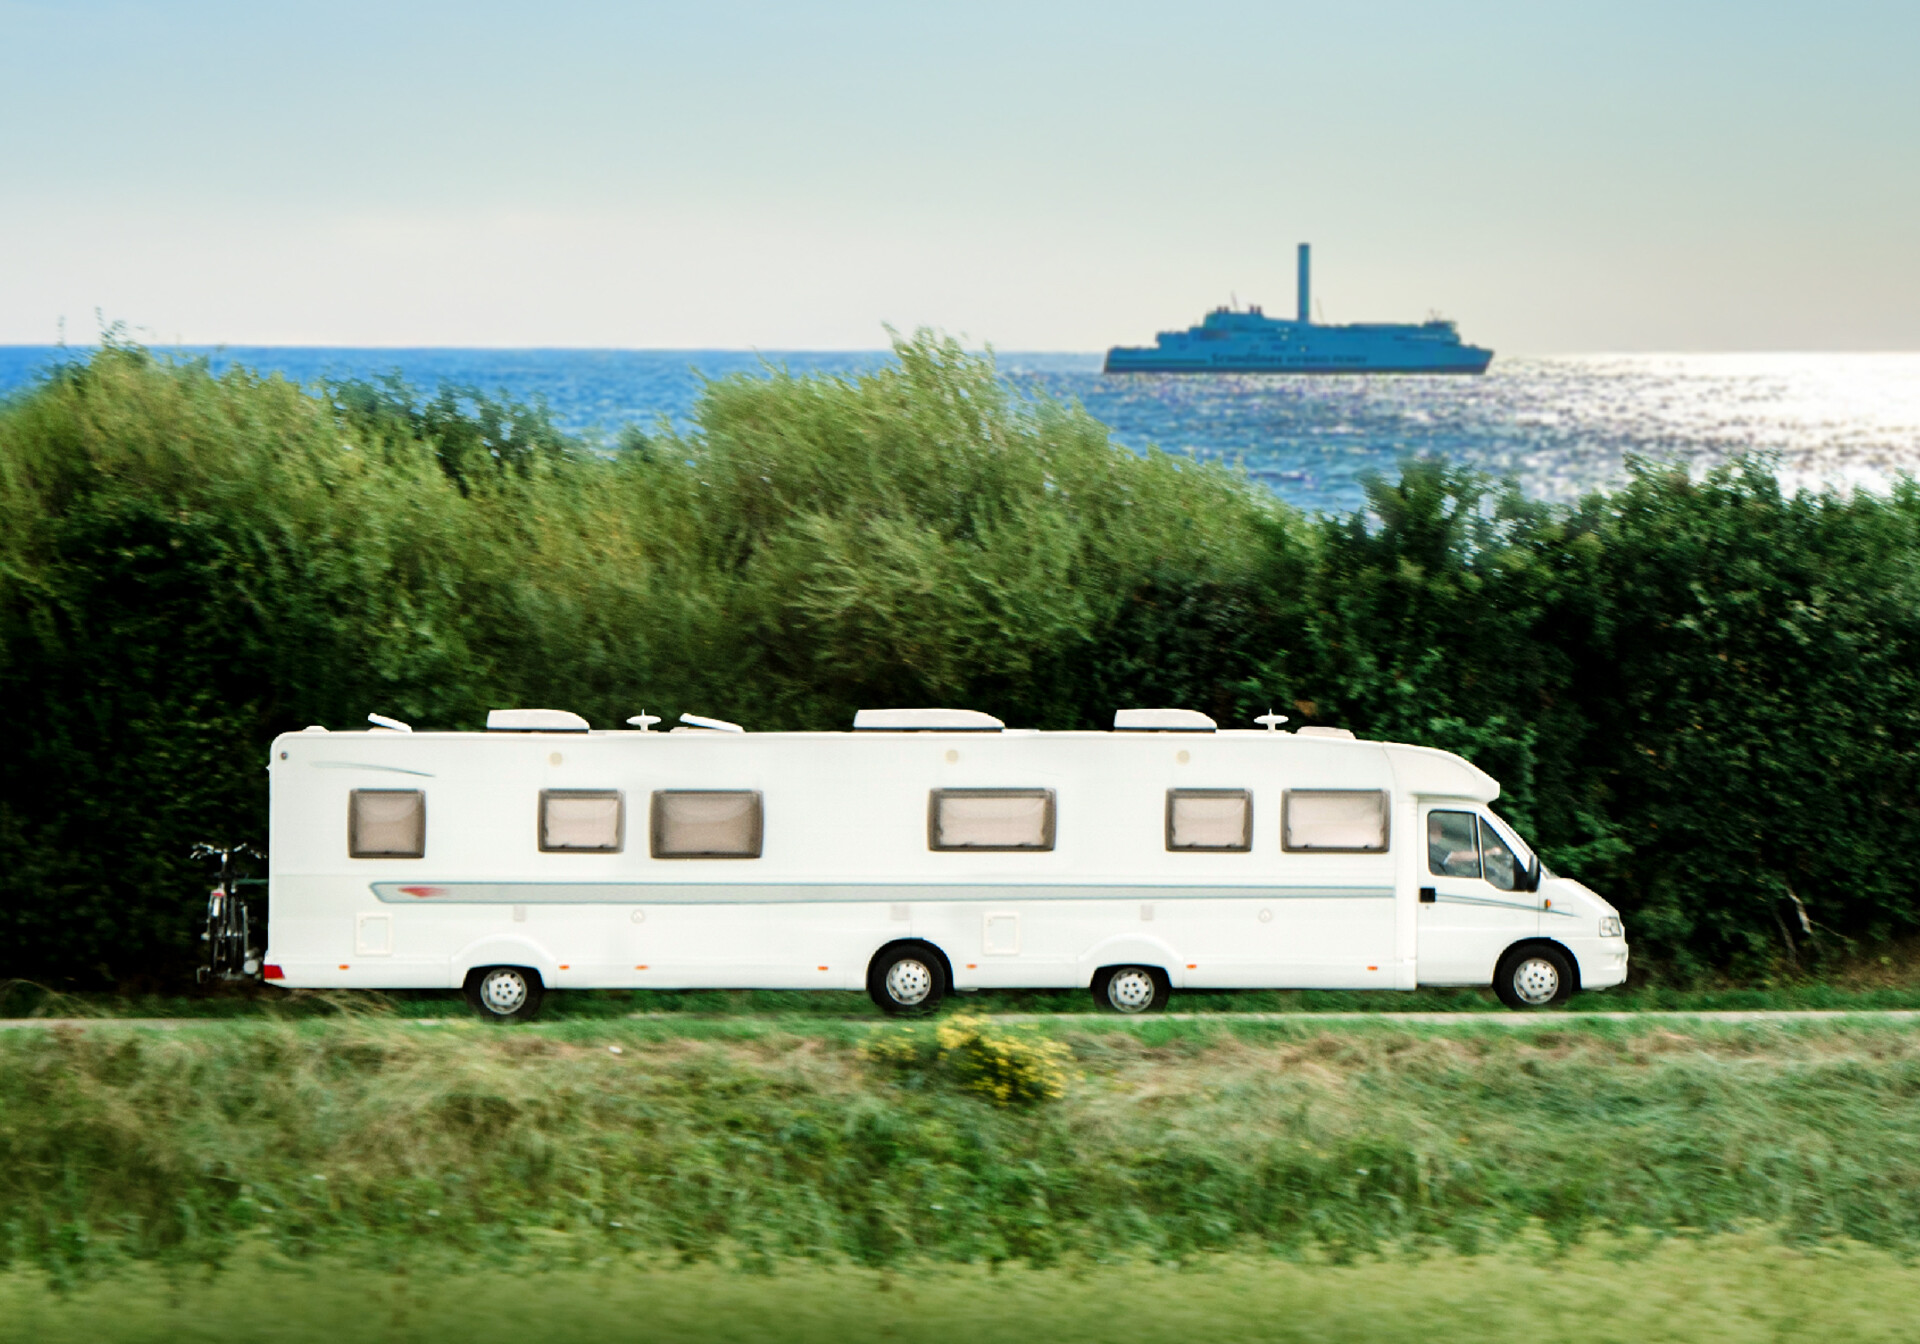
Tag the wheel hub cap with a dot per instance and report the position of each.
(1536, 980)
(503, 991)
(1131, 991)
(909, 982)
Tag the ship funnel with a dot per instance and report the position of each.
(1305, 286)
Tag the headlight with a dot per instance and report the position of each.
(1611, 927)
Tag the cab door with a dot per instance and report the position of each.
(1471, 909)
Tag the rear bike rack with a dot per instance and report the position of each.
(230, 952)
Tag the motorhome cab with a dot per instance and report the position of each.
(925, 852)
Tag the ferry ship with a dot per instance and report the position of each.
(1229, 340)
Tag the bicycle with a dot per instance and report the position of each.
(229, 937)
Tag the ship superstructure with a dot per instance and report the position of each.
(1232, 340)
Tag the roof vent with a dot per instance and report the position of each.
(1162, 721)
(534, 721)
(925, 721)
(1346, 733)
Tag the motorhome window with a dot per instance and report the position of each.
(581, 820)
(1452, 849)
(1339, 821)
(706, 824)
(387, 824)
(990, 819)
(1215, 819)
(1497, 859)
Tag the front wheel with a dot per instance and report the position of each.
(1534, 977)
(505, 993)
(907, 981)
(1131, 989)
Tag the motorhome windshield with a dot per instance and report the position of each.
(1522, 850)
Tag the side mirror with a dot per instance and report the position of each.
(1533, 874)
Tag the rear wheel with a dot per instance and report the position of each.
(505, 993)
(907, 981)
(1533, 977)
(1131, 989)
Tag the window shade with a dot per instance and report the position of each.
(1349, 820)
(387, 824)
(990, 819)
(1209, 819)
(706, 824)
(581, 819)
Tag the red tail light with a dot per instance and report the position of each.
(272, 972)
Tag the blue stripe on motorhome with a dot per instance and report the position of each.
(363, 765)
(762, 893)
(1504, 905)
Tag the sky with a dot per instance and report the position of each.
(1558, 177)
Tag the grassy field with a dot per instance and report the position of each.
(1735, 1290)
(757, 1144)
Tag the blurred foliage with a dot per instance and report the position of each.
(1700, 695)
(1009, 1066)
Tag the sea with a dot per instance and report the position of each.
(1559, 425)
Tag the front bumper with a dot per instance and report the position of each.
(1603, 961)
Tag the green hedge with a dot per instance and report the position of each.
(1700, 695)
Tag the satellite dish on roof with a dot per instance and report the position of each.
(391, 725)
(711, 725)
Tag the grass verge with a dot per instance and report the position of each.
(757, 1144)
(1723, 1289)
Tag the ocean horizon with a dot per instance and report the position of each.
(1561, 425)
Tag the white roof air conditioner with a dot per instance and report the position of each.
(534, 721)
(1162, 721)
(925, 721)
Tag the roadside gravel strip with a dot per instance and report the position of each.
(1408, 1019)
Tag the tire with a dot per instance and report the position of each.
(1534, 976)
(1131, 989)
(908, 980)
(505, 993)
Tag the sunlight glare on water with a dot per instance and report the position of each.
(1561, 425)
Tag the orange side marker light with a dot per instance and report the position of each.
(343, 965)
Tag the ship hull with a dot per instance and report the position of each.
(1151, 365)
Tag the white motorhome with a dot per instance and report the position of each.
(923, 853)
